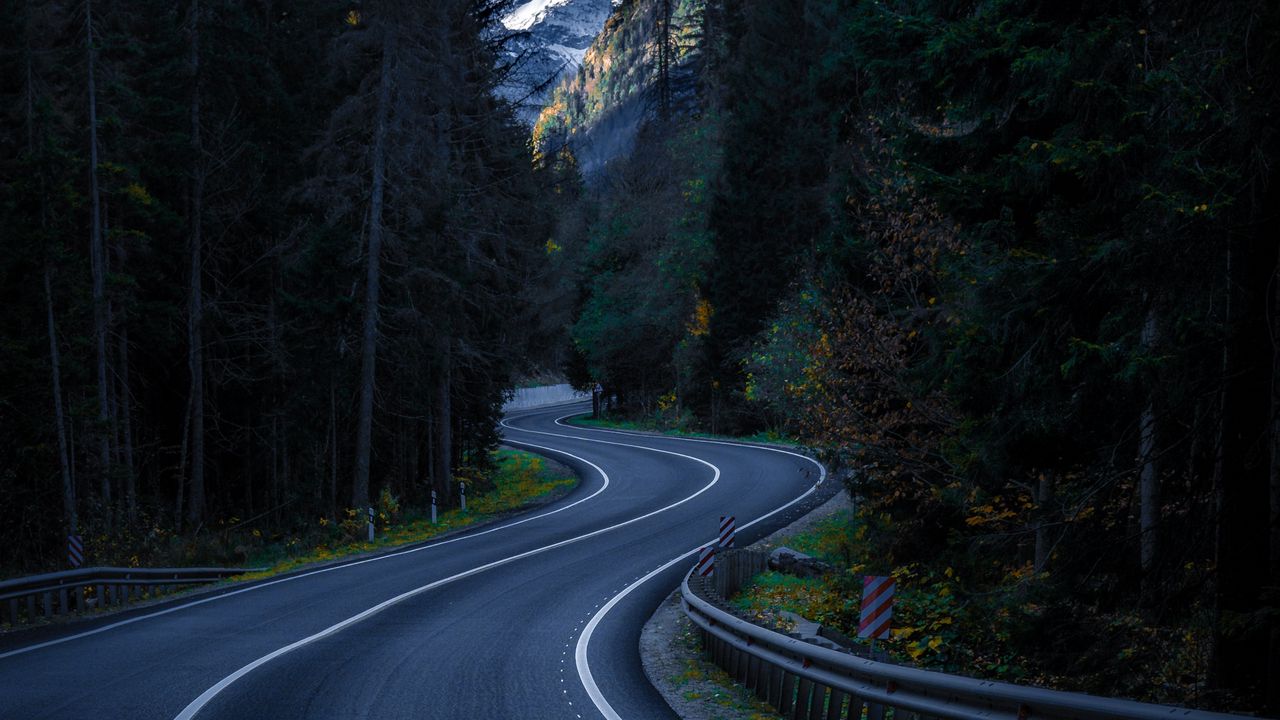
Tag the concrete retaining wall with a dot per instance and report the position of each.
(533, 397)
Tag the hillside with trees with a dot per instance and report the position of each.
(1011, 268)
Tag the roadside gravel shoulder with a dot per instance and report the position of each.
(696, 689)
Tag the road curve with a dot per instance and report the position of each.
(536, 617)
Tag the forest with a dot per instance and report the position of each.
(1009, 268)
(262, 262)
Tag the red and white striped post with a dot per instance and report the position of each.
(877, 608)
(728, 533)
(706, 566)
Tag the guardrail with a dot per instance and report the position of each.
(804, 679)
(70, 591)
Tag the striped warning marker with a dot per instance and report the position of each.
(728, 534)
(75, 550)
(877, 607)
(706, 566)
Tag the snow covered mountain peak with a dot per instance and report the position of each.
(556, 35)
(524, 16)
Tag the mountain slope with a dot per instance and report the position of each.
(598, 110)
(553, 37)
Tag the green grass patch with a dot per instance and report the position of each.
(928, 616)
(519, 479)
(771, 593)
(705, 681)
(832, 539)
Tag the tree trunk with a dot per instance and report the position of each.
(113, 405)
(369, 338)
(195, 314)
(98, 262)
(414, 455)
(1149, 478)
(273, 493)
(443, 454)
(120, 395)
(431, 444)
(286, 482)
(1273, 671)
(55, 368)
(333, 449)
(1273, 699)
(55, 364)
(180, 491)
(247, 457)
(130, 480)
(1044, 495)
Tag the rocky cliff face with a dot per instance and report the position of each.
(555, 37)
(598, 110)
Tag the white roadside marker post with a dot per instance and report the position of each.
(462, 488)
(433, 506)
(370, 523)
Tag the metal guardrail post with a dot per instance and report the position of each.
(788, 693)
(802, 698)
(835, 707)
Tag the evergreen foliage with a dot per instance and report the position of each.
(1012, 268)
(279, 181)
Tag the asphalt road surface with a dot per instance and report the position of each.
(538, 616)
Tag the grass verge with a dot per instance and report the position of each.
(520, 479)
(703, 682)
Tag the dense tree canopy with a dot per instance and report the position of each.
(1012, 266)
(320, 238)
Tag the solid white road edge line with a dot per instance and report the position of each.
(291, 578)
(584, 640)
(580, 650)
(731, 443)
(196, 705)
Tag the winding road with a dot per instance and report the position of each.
(537, 616)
